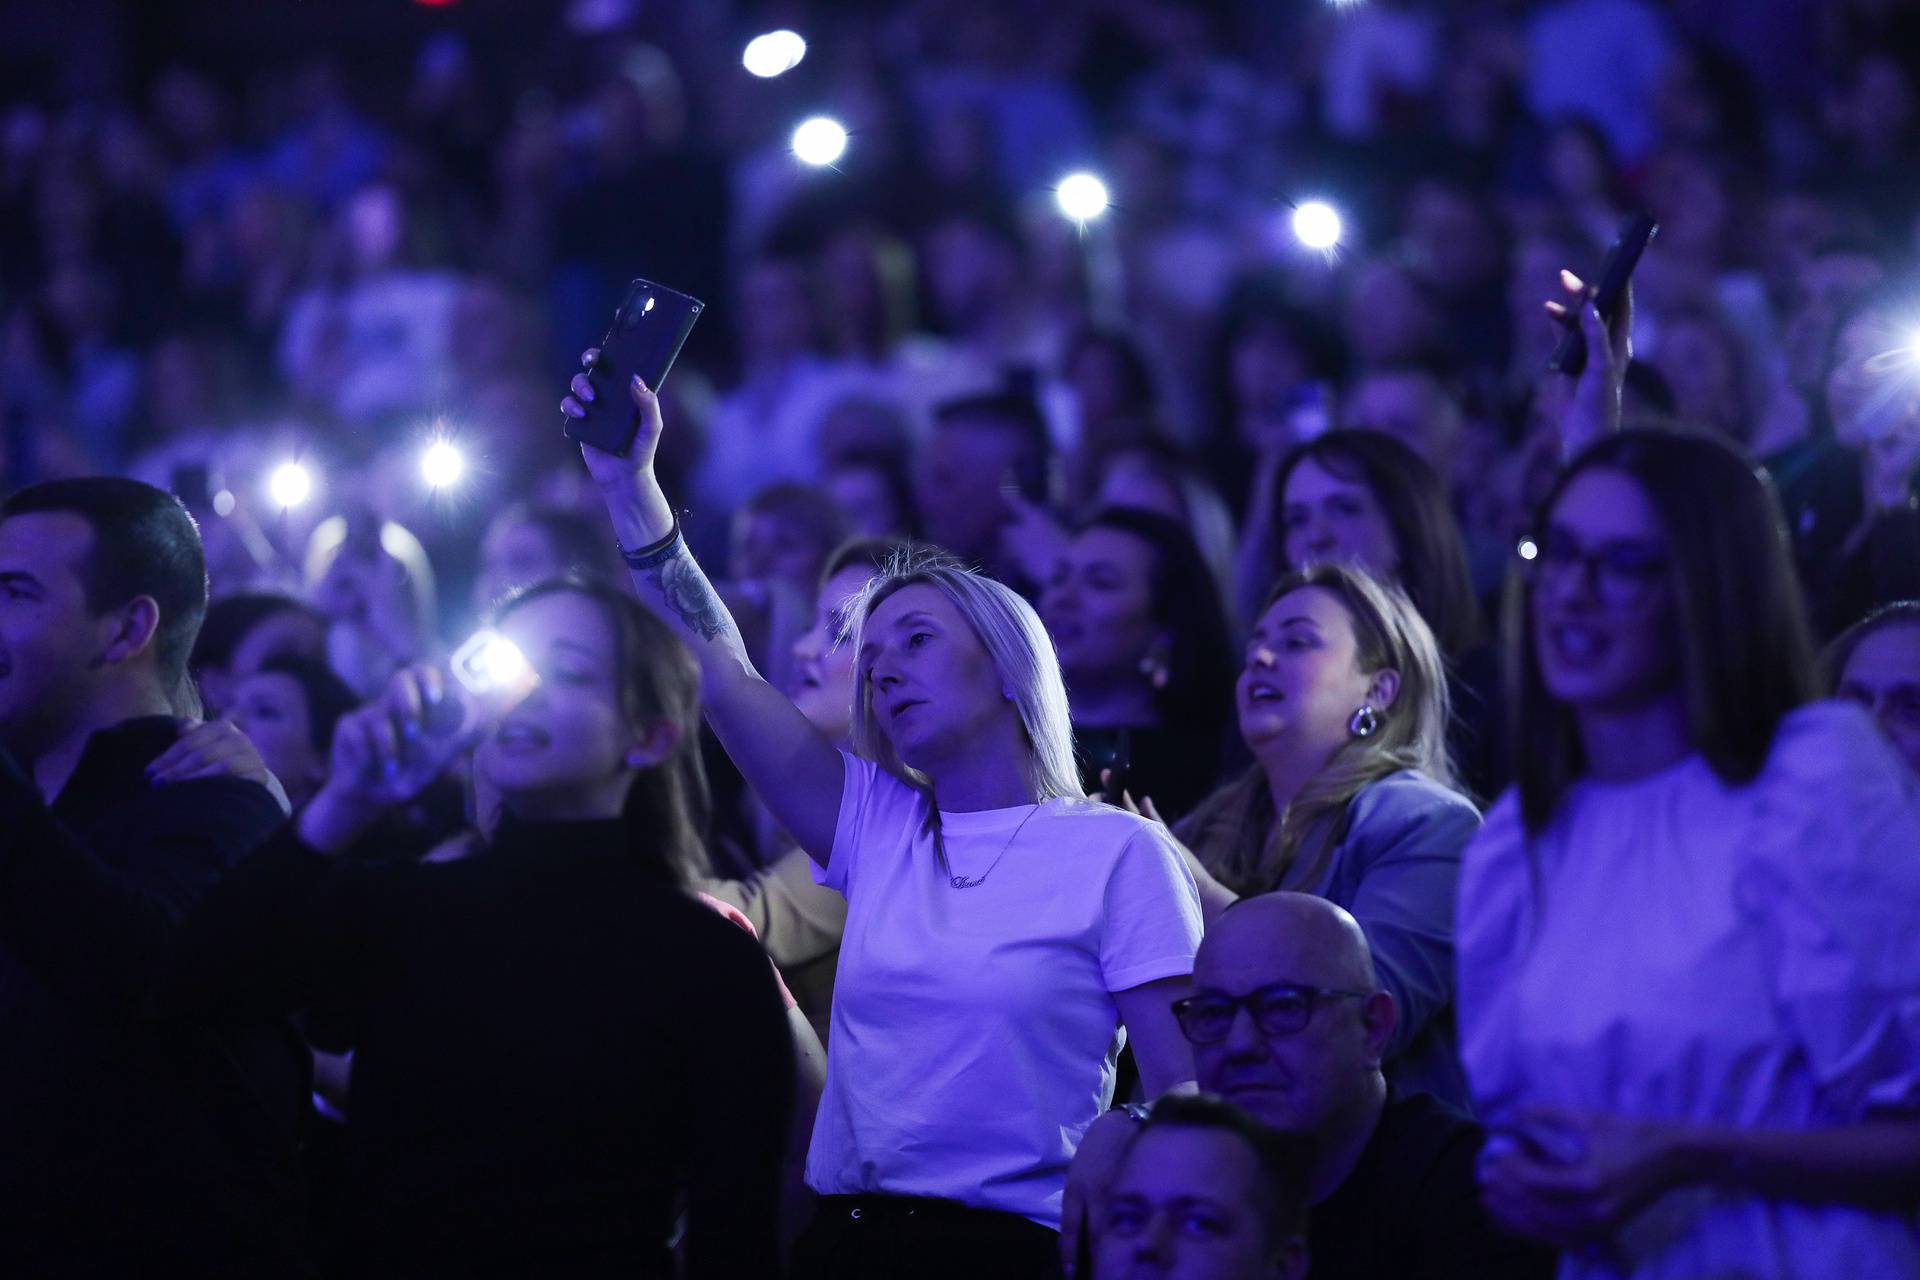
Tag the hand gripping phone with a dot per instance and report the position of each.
(647, 333)
(1570, 357)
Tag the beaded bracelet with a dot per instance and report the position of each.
(651, 555)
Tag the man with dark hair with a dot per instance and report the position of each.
(1205, 1191)
(127, 1147)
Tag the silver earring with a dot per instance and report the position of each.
(1364, 721)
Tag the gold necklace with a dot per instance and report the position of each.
(970, 882)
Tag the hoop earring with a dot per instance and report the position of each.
(1364, 721)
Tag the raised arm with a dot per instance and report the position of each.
(795, 771)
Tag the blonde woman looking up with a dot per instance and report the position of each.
(1342, 701)
(1004, 934)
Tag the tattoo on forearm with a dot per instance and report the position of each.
(684, 589)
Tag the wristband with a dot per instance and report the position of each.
(652, 554)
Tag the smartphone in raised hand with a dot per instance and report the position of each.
(645, 338)
(1616, 269)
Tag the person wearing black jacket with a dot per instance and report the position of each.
(552, 1041)
(127, 1146)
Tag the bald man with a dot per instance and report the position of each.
(1287, 1020)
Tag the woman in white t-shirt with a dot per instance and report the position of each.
(1002, 933)
(1689, 981)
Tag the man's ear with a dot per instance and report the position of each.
(131, 629)
(657, 740)
(1384, 689)
(1379, 1016)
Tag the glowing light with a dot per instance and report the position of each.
(1913, 344)
(820, 141)
(1529, 549)
(490, 663)
(1316, 224)
(224, 503)
(1081, 196)
(290, 484)
(441, 465)
(773, 54)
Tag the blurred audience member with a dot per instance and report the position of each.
(1143, 644)
(1873, 395)
(526, 544)
(288, 710)
(242, 633)
(981, 445)
(1876, 663)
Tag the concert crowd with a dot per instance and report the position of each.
(1181, 681)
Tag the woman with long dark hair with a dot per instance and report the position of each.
(1688, 977)
(1142, 638)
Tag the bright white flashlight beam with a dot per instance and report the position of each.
(290, 484)
(1081, 196)
(773, 54)
(441, 465)
(1317, 224)
(820, 141)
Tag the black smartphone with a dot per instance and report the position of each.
(1570, 357)
(646, 336)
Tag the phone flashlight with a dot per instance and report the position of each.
(488, 665)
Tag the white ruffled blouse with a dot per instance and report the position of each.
(1744, 956)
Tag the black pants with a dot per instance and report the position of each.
(889, 1237)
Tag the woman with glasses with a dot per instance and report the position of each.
(1343, 704)
(1004, 936)
(1689, 980)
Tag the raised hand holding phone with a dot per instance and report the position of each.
(1598, 343)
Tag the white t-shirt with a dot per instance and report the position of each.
(974, 1035)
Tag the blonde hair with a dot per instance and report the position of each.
(1023, 659)
(1236, 832)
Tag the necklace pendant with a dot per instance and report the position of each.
(964, 882)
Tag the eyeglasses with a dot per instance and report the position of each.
(1621, 571)
(1279, 1010)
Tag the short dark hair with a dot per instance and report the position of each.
(144, 544)
(328, 696)
(1285, 1160)
(1744, 652)
(1426, 534)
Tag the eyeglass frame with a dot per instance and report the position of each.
(1595, 571)
(1316, 996)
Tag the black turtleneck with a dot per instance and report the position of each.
(128, 1145)
(551, 1041)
